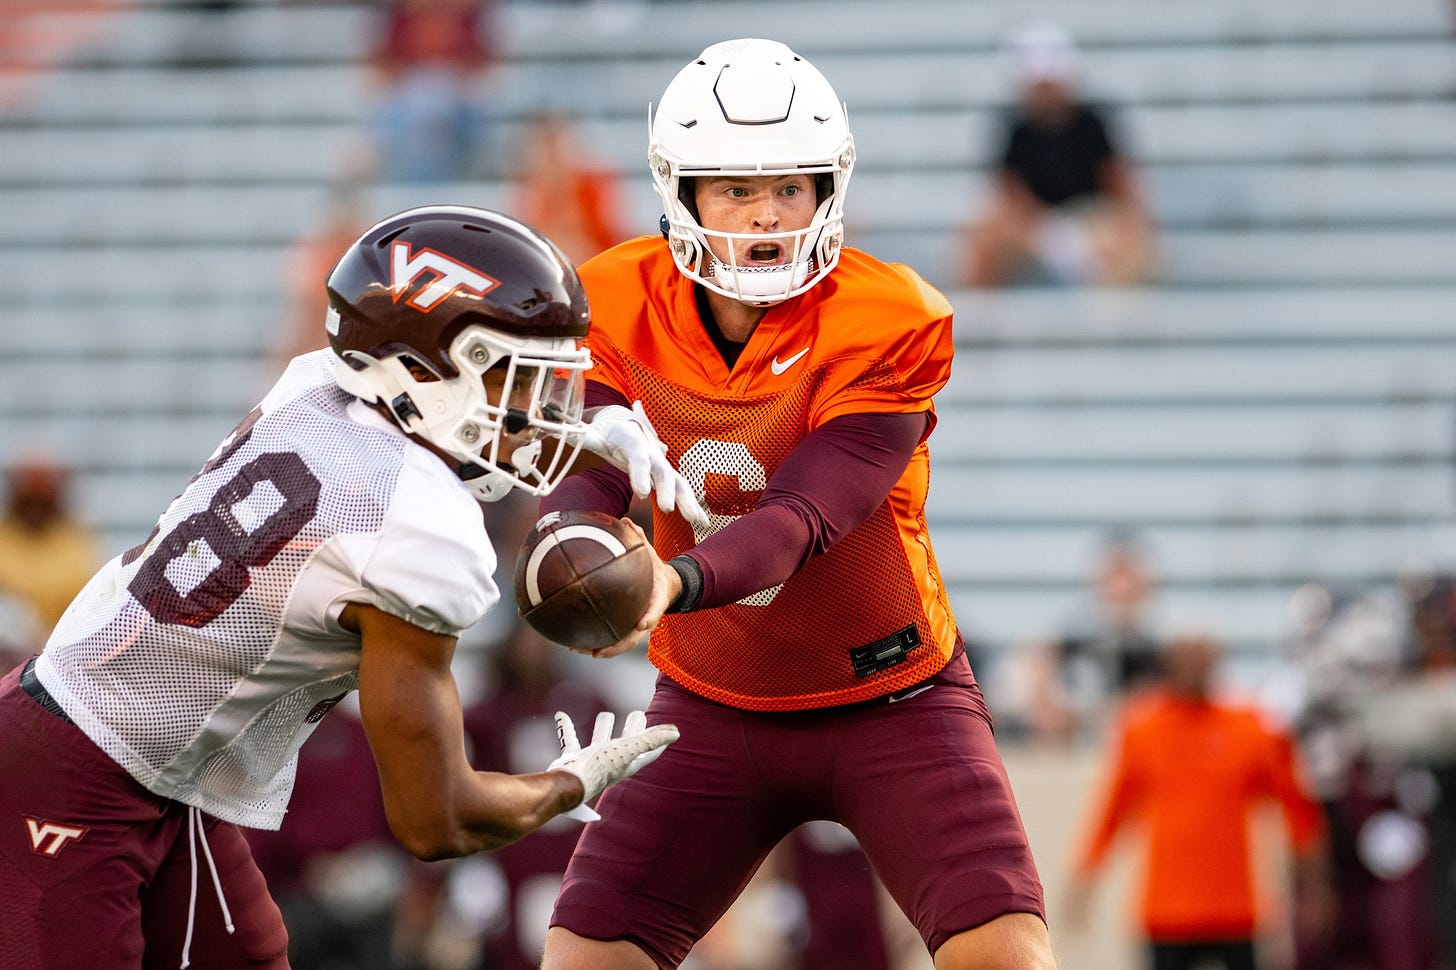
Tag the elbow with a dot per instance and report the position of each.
(428, 852)
(430, 845)
(430, 836)
(440, 839)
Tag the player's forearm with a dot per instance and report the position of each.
(488, 811)
(834, 480)
(438, 806)
(738, 561)
(600, 489)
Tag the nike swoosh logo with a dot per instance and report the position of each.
(905, 697)
(778, 367)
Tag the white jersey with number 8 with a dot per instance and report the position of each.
(201, 660)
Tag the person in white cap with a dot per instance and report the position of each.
(1064, 201)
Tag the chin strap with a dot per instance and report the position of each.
(486, 484)
(761, 284)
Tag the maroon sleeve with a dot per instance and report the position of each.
(601, 489)
(830, 483)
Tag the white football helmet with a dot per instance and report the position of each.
(751, 107)
(429, 300)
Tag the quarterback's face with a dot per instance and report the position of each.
(758, 211)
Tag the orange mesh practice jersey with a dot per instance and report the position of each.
(871, 338)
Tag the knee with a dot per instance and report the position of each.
(565, 950)
(1016, 941)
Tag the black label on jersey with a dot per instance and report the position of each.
(884, 653)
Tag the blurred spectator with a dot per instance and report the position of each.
(1067, 686)
(1189, 769)
(207, 38)
(433, 58)
(333, 867)
(1379, 715)
(46, 552)
(1115, 639)
(1064, 200)
(564, 192)
(309, 262)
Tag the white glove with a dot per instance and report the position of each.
(608, 760)
(624, 437)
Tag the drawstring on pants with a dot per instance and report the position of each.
(196, 832)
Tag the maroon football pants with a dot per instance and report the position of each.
(917, 779)
(96, 871)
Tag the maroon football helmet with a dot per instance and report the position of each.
(427, 301)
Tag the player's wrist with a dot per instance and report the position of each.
(691, 576)
(569, 789)
(574, 805)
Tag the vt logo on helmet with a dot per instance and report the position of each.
(405, 268)
(434, 304)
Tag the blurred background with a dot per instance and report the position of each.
(1205, 385)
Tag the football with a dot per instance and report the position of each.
(583, 579)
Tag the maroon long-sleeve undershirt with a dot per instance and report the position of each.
(830, 483)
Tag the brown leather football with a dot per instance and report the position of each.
(583, 579)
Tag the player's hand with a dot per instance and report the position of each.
(608, 760)
(666, 584)
(625, 437)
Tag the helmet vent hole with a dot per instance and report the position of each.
(384, 241)
(484, 229)
(417, 370)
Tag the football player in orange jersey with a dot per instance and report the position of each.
(808, 651)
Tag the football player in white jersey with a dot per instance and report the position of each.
(333, 542)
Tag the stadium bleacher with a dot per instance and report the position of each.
(1278, 409)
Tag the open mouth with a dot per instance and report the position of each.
(765, 253)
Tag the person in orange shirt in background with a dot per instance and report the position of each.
(1189, 769)
(561, 190)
